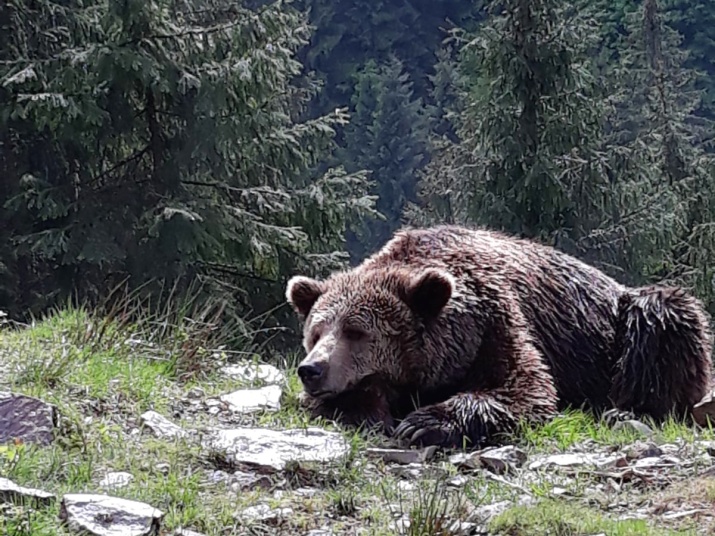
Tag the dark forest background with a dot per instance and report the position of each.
(213, 148)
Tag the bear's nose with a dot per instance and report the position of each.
(310, 373)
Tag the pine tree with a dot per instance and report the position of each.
(527, 160)
(161, 140)
(665, 159)
(388, 136)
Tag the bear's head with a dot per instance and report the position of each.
(364, 323)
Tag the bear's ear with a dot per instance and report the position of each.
(302, 293)
(429, 292)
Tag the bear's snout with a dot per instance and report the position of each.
(311, 374)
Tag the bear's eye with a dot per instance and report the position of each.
(354, 334)
(314, 340)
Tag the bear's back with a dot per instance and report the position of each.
(570, 306)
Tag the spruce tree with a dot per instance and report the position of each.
(388, 136)
(665, 161)
(164, 141)
(527, 160)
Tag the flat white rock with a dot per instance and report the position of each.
(116, 480)
(102, 515)
(250, 372)
(273, 449)
(252, 400)
(11, 492)
(263, 512)
(161, 426)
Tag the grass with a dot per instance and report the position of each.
(103, 370)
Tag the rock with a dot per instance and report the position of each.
(162, 468)
(657, 461)
(253, 400)
(263, 512)
(116, 480)
(241, 481)
(12, 493)
(102, 515)
(271, 450)
(196, 393)
(306, 492)
(406, 485)
(639, 450)
(26, 419)
(708, 446)
(458, 481)
(402, 456)
(704, 411)
(503, 459)
(634, 426)
(250, 372)
(412, 470)
(161, 426)
(462, 528)
(186, 532)
(489, 511)
(468, 461)
(600, 461)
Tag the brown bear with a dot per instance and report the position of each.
(449, 336)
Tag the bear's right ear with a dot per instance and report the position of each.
(302, 293)
(428, 293)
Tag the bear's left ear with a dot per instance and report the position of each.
(428, 293)
(302, 293)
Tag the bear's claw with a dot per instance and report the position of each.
(425, 428)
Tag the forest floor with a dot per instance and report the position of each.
(573, 476)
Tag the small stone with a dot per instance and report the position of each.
(643, 450)
(458, 481)
(503, 459)
(241, 481)
(462, 528)
(704, 411)
(468, 461)
(186, 532)
(250, 372)
(253, 400)
(13, 493)
(26, 419)
(306, 492)
(489, 511)
(116, 480)
(162, 468)
(102, 515)
(161, 426)
(579, 459)
(709, 447)
(401, 456)
(406, 485)
(263, 512)
(413, 470)
(196, 393)
(633, 425)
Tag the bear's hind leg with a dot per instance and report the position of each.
(662, 350)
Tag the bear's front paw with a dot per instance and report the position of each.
(427, 427)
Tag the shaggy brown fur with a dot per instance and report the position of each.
(459, 333)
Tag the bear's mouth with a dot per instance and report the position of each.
(322, 394)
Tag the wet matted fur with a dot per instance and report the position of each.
(449, 335)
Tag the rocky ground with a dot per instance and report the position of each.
(105, 430)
